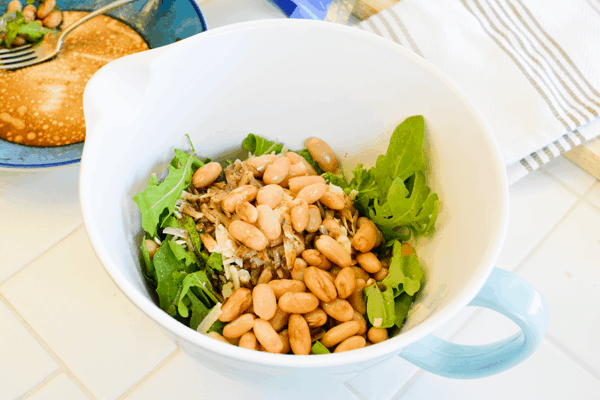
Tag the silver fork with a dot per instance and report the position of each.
(24, 56)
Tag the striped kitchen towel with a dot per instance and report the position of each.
(531, 67)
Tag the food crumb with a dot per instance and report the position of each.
(568, 274)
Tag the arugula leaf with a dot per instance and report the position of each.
(199, 310)
(334, 179)
(405, 271)
(394, 193)
(189, 225)
(154, 200)
(215, 261)
(401, 305)
(380, 306)
(14, 21)
(258, 146)
(318, 348)
(197, 279)
(33, 31)
(306, 154)
(169, 277)
(182, 254)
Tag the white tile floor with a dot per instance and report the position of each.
(67, 332)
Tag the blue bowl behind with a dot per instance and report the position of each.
(159, 22)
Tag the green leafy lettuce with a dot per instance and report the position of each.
(394, 193)
(158, 201)
(258, 146)
(404, 277)
(318, 348)
(16, 25)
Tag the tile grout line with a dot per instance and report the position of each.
(44, 251)
(355, 391)
(150, 374)
(40, 385)
(408, 384)
(539, 244)
(569, 354)
(61, 364)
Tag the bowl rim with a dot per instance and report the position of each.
(384, 349)
(60, 162)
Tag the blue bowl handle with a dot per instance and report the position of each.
(507, 294)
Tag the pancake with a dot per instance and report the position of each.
(42, 105)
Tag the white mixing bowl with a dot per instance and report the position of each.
(291, 79)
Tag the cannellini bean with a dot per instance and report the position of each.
(206, 175)
(333, 201)
(268, 222)
(18, 41)
(281, 286)
(279, 320)
(236, 303)
(295, 158)
(14, 5)
(361, 321)
(319, 284)
(312, 256)
(339, 333)
(53, 19)
(29, 12)
(298, 302)
(151, 247)
(267, 336)
(248, 234)
(298, 270)
(352, 343)
(334, 229)
(297, 170)
(322, 154)
(367, 236)
(277, 171)
(238, 326)
(265, 276)
(299, 215)
(377, 335)
(270, 195)
(381, 274)
(369, 262)
(265, 303)
(314, 219)
(217, 336)
(312, 193)
(237, 196)
(360, 273)
(286, 341)
(300, 182)
(45, 8)
(345, 282)
(333, 250)
(357, 298)
(338, 309)
(316, 318)
(248, 341)
(260, 163)
(247, 212)
(299, 335)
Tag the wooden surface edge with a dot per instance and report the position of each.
(587, 157)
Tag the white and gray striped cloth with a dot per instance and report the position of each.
(532, 67)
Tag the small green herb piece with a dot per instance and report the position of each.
(258, 146)
(215, 261)
(405, 271)
(148, 271)
(217, 326)
(318, 348)
(182, 254)
(334, 179)
(189, 225)
(197, 279)
(401, 305)
(157, 200)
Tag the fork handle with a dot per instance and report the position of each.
(91, 15)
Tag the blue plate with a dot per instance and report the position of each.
(159, 22)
